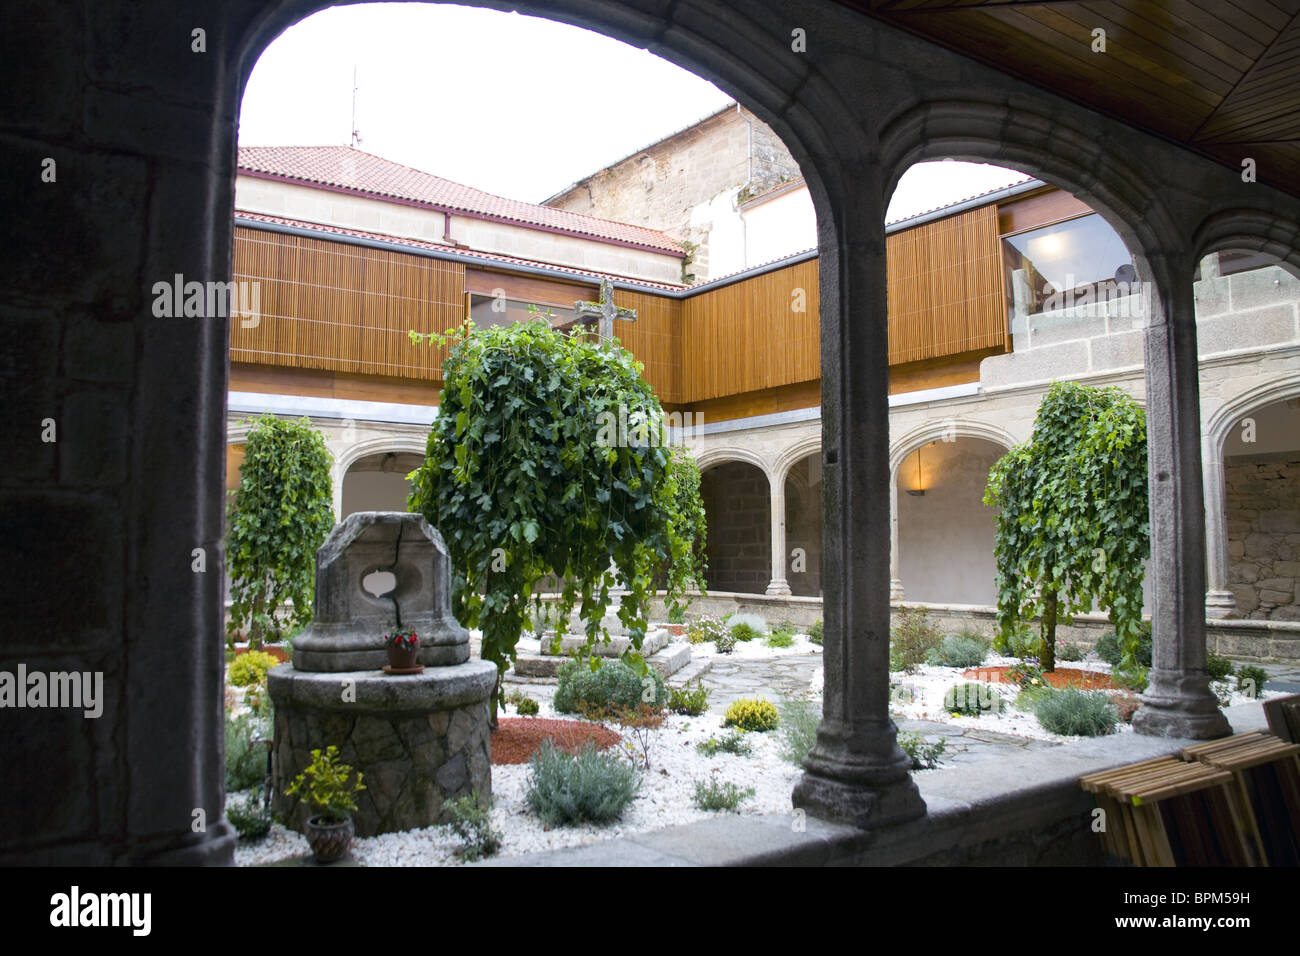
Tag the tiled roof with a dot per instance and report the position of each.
(343, 167)
(451, 251)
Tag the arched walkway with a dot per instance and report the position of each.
(377, 482)
(737, 505)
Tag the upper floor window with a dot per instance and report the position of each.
(1066, 261)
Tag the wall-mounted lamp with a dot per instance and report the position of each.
(919, 490)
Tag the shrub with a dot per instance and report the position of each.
(250, 818)
(755, 622)
(1133, 678)
(815, 632)
(799, 722)
(612, 687)
(732, 743)
(912, 639)
(1219, 667)
(587, 787)
(705, 629)
(324, 785)
(725, 643)
(1025, 674)
(1250, 679)
(472, 822)
(250, 669)
(743, 632)
(1017, 640)
(757, 715)
(684, 700)
(781, 637)
(1070, 652)
(712, 795)
(971, 700)
(1108, 648)
(1077, 713)
(245, 758)
(961, 650)
(527, 707)
(925, 755)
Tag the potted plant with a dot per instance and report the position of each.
(324, 786)
(403, 650)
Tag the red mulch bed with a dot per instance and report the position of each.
(516, 739)
(1061, 677)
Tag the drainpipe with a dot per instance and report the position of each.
(749, 179)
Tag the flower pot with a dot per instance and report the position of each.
(330, 840)
(403, 657)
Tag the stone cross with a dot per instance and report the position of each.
(605, 310)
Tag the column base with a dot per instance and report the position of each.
(779, 586)
(1180, 704)
(1220, 605)
(862, 780)
(215, 848)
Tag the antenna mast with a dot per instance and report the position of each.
(356, 133)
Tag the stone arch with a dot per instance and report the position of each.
(1258, 230)
(711, 457)
(737, 494)
(795, 453)
(800, 536)
(937, 431)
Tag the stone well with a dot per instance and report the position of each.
(419, 740)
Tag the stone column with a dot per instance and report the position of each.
(776, 490)
(856, 772)
(1178, 701)
(895, 582)
(337, 474)
(1220, 602)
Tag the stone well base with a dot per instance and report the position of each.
(418, 740)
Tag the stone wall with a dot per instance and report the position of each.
(738, 508)
(1262, 494)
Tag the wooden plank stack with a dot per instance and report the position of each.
(1230, 802)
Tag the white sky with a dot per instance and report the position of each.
(518, 106)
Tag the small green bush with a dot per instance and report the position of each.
(250, 669)
(471, 820)
(815, 632)
(1020, 640)
(705, 629)
(971, 700)
(1250, 679)
(1218, 666)
(732, 743)
(250, 818)
(912, 639)
(587, 787)
(1069, 653)
(245, 758)
(1133, 678)
(781, 637)
(614, 686)
(755, 622)
(1108, 648)
(799, 722)
(960, 650)
(1077, 713)
(1025, 674)
(712, 795)
(925, 755)
(527, 707)
(742, 632)
(688, 701)
(754, 715)
(725, 643)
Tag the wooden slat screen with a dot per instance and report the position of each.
(655, 338)
(349, 308)
(747, 336)
(945, 287)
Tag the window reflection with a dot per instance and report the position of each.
(1081, 258)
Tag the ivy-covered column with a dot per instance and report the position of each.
(856, 772)
(1178, 701)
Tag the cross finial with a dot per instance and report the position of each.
(605, 311)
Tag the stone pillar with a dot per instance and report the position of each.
(776, 489)
(856, 772)
(1178, 701)
(895, 582)
(337, 474)
(1220, 601)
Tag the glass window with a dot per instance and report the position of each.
(1068, 257)
(487, 311)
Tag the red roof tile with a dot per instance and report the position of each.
(345, 168)
(490, 257)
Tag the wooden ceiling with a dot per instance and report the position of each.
(1219, 76)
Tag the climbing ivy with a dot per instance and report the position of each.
(1073, 527)
(543, 461)
(282, 512)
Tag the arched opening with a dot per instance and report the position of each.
(738, 508)
(945, 530)
(803, 526)
(378, 482)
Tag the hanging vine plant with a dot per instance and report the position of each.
(544, 460)
(1073, 528)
